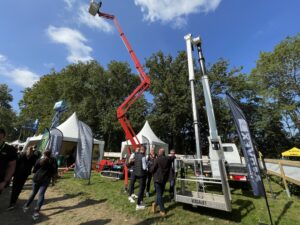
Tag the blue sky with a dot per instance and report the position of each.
(39, 35)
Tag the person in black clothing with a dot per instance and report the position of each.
(150, 160)
(131, 194)
(26, 160)
(160, 170)
(140, 174)
(8, 156)
(172, 174)
(44, 169)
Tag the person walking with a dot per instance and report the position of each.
(160, 170)
(8, 157)
(150, 161)
(25, 162)
(44, 169)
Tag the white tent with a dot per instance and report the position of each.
(16, 142)
(148, 138)
(70, 130)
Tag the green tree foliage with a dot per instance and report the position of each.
(38, 101)
(276, 81)
(90, 91)
(171, 114)
(7, 115)
(223, 79)
(269, 96)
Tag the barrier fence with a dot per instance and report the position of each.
(286, 169)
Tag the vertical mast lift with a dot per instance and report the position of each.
(144, 85)
(190, 188)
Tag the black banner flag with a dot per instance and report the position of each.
(247, 147)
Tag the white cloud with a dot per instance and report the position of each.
(69, 4)
(20, 76)
(92, 21)
(174, 11)
(24, 77)
(73, 40)
(2, 58)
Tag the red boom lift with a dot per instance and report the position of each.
(144, 85)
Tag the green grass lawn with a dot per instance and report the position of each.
(246, 209)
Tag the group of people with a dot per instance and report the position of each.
(16, 166)
(144, 167)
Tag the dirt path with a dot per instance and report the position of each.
(60, 209)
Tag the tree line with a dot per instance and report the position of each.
(269, 96)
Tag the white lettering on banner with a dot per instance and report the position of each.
(251, 159)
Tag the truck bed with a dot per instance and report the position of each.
(231, 168)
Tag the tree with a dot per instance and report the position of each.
(172, 100)
(276, 80)
(170, 113)
(38, 101)
(7, 115)
(90, 91)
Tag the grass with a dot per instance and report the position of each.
(246, 209)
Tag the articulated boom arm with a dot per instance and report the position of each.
(145, 83)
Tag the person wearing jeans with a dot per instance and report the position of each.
(44, 170)
(150, 160)
(160, 170)
(172, 175)
(140, 173)
(41, 188)
(131, 194)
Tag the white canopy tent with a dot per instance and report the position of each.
(70, 130)
(17, 143)
(147, 138)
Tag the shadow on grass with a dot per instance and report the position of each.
(81, 204)
(235, 215)
(245, 193)
(64, 197)
(27, 186)
(154, 220)
(276, 193)
(96, 222)
(284, 210)
(17, 216)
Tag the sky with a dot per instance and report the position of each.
(38, 36)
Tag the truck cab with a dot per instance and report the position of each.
(231, 153)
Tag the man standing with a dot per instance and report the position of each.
(150, 161)
(160, 170)
(131, 160)
(8, 156)
(140, 174)
(172, 174)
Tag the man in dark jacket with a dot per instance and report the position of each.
(131, 194)
(160, 170)
(25, 162)
(172, 174)
(8, 156)
(140, 173)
